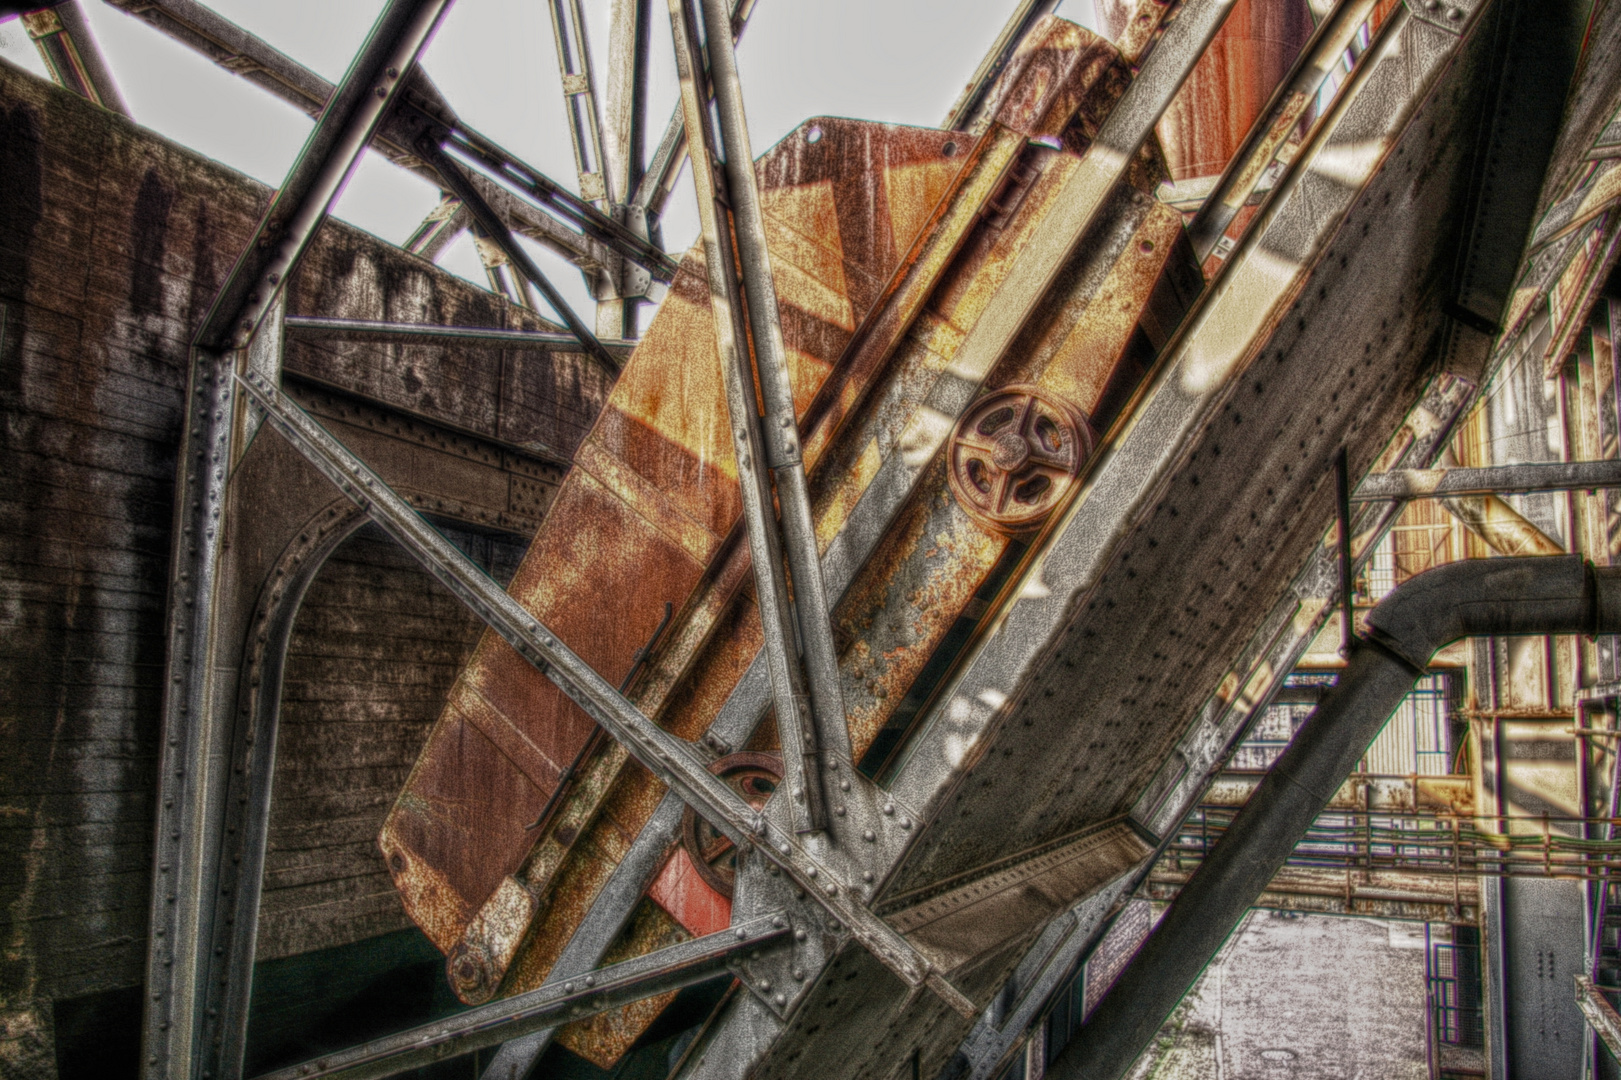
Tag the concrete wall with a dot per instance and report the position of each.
(112, 243)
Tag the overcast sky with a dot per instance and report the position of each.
(900, 61)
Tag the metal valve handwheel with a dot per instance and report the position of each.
(752, 775)
(1014, 455)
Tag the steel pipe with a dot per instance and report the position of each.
(1496, 597)
(1496, 480)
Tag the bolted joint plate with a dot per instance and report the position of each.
(867, 829)
(781, 972)
(1453, 16)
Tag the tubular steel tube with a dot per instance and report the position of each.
(1499, 597)
(776, 392)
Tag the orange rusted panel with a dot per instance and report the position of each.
(888, 246)
(642, 516)
(1232, 82)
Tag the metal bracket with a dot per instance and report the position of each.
(780, 973)
(1453, 16)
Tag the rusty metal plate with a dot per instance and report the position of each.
(1014, 456)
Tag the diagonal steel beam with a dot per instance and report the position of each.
(429, 150)
(197, 996)
(795, 724)
(971, 112)
(69, 49)
(586, 995)
(663, 754)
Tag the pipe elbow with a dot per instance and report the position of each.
(1502, 597)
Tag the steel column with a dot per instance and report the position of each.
(796, 728)
(184, 1035)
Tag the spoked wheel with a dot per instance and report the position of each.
(1015, 455)
(752, 775)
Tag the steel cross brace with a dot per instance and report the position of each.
(755, 449)
(196, 1003)
(657, 972)
(665, 755)
(428, 147)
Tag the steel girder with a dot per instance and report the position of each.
(196, 1004)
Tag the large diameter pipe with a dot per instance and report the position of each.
(1498, 597)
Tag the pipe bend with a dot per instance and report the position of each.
(1511, 596)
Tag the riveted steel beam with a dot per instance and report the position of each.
(197, 995)
(797, 728)
(70, 52)
(312, 326)
(586, 994)
(662, 753)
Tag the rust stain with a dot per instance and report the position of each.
(604, 1038)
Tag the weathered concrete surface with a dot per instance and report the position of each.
(112, 242)
(1310, 998)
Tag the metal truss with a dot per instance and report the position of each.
(590, 239)
(189, 983)
(197, 1000)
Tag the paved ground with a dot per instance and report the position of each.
(1314, 997)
